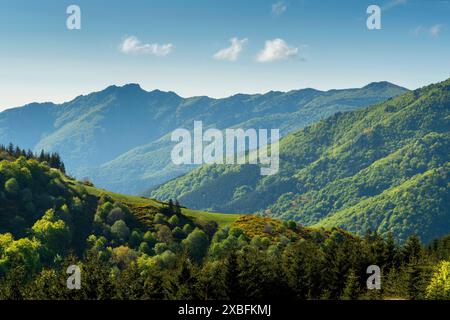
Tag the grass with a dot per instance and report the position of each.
(130, 200)
(222, 219)
(200, 217)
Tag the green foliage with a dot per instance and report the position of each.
(196, 245)
(160, 248)
(159, 219)
(308, 267)
(52, 215)
(178, 233)
(383, 168)
(12, 186)
(352, 288)
(145, 248)
(120, 230)
(416, 206)
(135, 238)
(23, 252)
(115, 215)
(29, 188)
(14, 152)
(174, 221)
(150, 239)
(53, 234)
(439, 287)
(187, 228)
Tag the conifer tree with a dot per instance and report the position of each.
(352, 286)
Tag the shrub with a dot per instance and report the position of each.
(12, 186)
(120, 230)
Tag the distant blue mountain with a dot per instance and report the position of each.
(120, 137)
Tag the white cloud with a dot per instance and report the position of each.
(133, 45)
(279, 8)
(436, 30)
(277, 49)
(232, 52)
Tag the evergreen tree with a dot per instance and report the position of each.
(412, 250)
(177, 208)
(232, 277)
(352, 287)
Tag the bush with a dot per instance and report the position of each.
(114, 215)
(150, 239)
(145, 248)
(120, 230)
(159, 219)
(160, 248)
(174, 221)
(178, 233)
(187, 229)
(12, 186)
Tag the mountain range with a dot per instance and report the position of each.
(120, 137)
(383, 168)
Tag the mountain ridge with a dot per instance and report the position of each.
(139, 87)
(107, 134)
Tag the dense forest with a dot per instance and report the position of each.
(138, 248)
(384, 168)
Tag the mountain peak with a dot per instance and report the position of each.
(128, 91)
(130, 87)
(382, 85)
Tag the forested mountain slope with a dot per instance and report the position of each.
(45, 215)
(384, 167)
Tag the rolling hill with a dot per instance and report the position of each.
(130, 248)
(61, 214)
(383, 168)
(120, 137)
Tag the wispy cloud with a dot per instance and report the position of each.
(279, 8)
(232, 52)
(132, 45)
(416, 31)
(392, 4)
(434, 30)
(277, 49)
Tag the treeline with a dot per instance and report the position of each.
(53, 159)
(237, 267)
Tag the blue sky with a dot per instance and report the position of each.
(177, 45)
